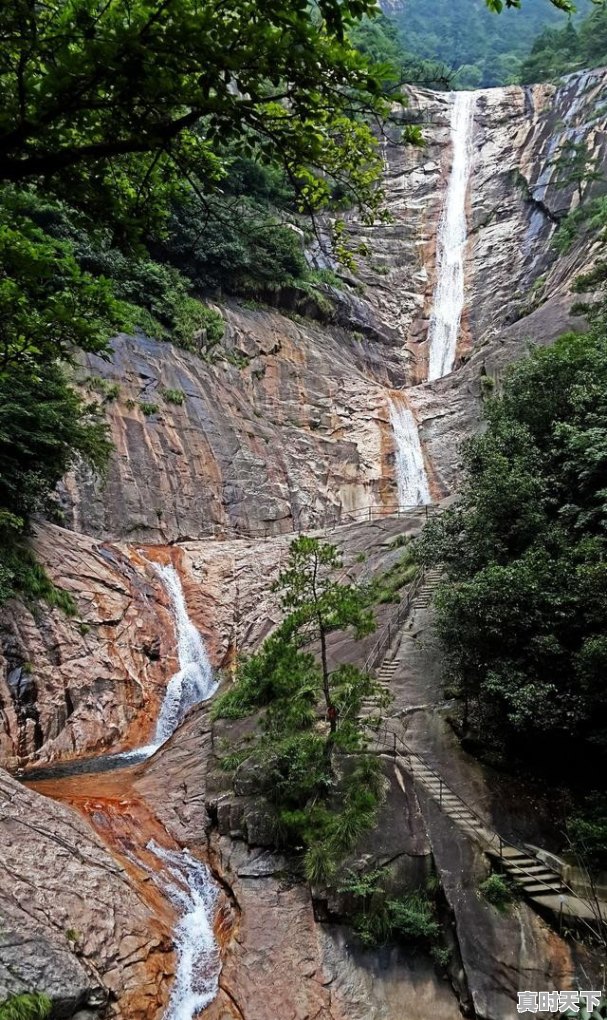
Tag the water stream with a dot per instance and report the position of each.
(190, 886)
(411, 477)
(449, 293)
(193, 682)
(187, 882)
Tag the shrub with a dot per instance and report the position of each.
(496, 891)
(107, 389)
(410, 919)
(29, 1006)
(587, 831)
(148, 409)
(173, 396)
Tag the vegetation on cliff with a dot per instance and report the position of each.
(523, 612)
(309, 751)
(120, 122)
(29, 1006)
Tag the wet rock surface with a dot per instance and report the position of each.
(291, 429)
(74, 924)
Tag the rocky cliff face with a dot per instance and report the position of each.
(289, 428)
(292, 426)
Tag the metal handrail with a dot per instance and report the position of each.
(385, 638)
(329, 522)
(494, 836)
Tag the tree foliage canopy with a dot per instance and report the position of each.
(105, 102)
(115, 120)
(309, 715)
(523, 613)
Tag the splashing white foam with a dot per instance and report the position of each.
(449, 292)
(189, 885)
(411, 477)
(194, 681)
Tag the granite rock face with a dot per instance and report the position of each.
(292, 427)
(288, 429)
(74, 923)
(76, 686)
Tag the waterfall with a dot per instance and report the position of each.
(448, 302)
(194, 681)
(411, 478)
(190, 886)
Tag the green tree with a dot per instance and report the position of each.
(318, 605)
(523, 611)
(118, 103)
(113, 117)
(319, 778)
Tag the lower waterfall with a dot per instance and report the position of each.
(194, 681)
(187, 881)
(411, 477)
(190, 886)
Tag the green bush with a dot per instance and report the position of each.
(148, 409)
(173, 396)
(29, 1006)
(587, 831)
(105, 387)
(496, 891)
(521, 613)
(410, 919)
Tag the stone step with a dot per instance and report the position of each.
(547, 881)
(541, 889)
(529, 869)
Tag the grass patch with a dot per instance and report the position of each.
(173, 396)
(104, 387)
(29, 1006)
(386, 587)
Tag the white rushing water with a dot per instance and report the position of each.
(448, 302)
(189, 885)
(411, 477)
(193, 682)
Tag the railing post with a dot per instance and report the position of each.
(394, 738)
(501, 847)
(440, 793)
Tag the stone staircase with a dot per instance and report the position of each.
(532, 876)
(371, 707)
(422, 599)
(541, 885)
(425, 595)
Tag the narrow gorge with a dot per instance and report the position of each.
(139, 881)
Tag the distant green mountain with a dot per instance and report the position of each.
(482, 48)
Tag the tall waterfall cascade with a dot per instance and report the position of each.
(449, 293)
(411, 477)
